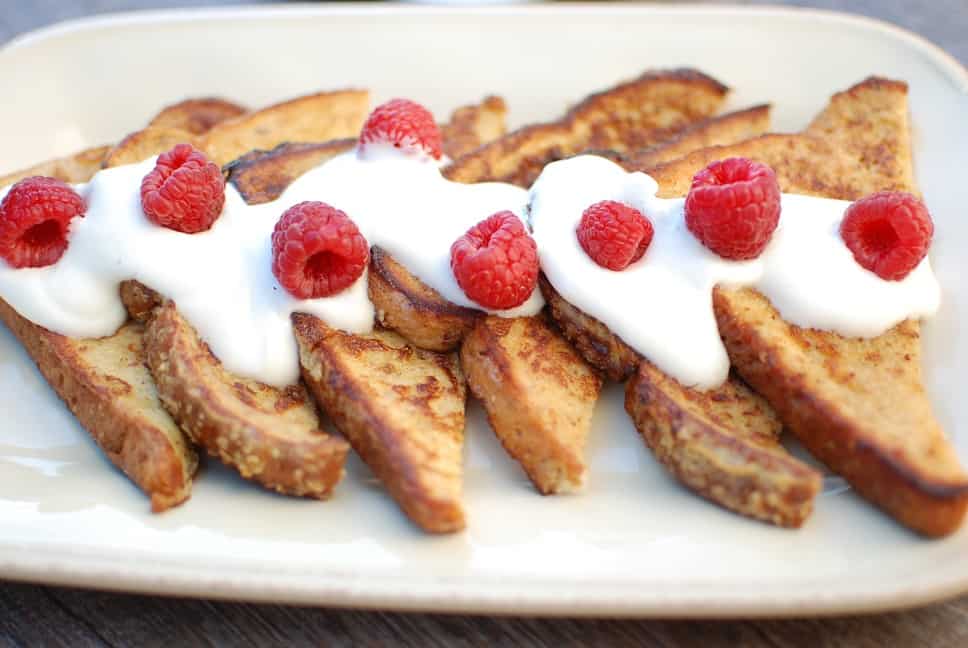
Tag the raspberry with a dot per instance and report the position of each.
(733, 207)
(34, 217)
(184, 192)
(404, 124)
(613, 234)
(317, 251)
(496, 262)
(888, 232)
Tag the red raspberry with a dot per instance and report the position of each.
(404, 124)
(733, 207)
(317, 251)
(184, 192)
(889, 233)
(496, 262)
(34, 217)
(613, 234)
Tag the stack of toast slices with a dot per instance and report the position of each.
(153, 392)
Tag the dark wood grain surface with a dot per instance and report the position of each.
(33, 615)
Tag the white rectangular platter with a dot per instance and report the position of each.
(635, 543)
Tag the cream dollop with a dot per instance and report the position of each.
(222, 280)
(661, 305)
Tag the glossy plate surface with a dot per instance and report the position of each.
(635, 543)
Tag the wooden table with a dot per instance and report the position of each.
(33, 615)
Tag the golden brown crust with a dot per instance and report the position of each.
(312, 118)
(106, 386)
(139, 300)
(414, 309)
(858, 405)
(197, 115)
(471, 126)
(142, 144)
(539, 396)
(597, 344)
(629, 116)
(268, 435)
(715, 131)
(79, 167)
(864, 122)
(262, 176)
(859, 144)
(402, 410)
(792, 157)
(724, 445)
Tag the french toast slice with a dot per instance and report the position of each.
(407, 305)
(858, 405)
(318, 117)
(402, 410)
(473, 125)
(539, 396)
(271, 436)
(78, 167)
(197, 115)
(106, 386)
(723, 444)
(728, 128)
(629, 116)
(268, 435)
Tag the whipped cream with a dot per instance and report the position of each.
(222, 279)
(661, 305)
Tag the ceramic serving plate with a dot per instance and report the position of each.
(635, 543)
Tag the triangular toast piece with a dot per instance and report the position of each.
(629, 116)
(271, 436)
(402, 410)
(79, 167)
(198, 115)
(107, 387)
(714, 131)
(539, 396)
(312, 118)
(858, 405)
(473, 125)
(724, 444)
(105, 384)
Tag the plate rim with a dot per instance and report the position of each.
(26, 562)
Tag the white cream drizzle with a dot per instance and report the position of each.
(222, 280)
(662, 305)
